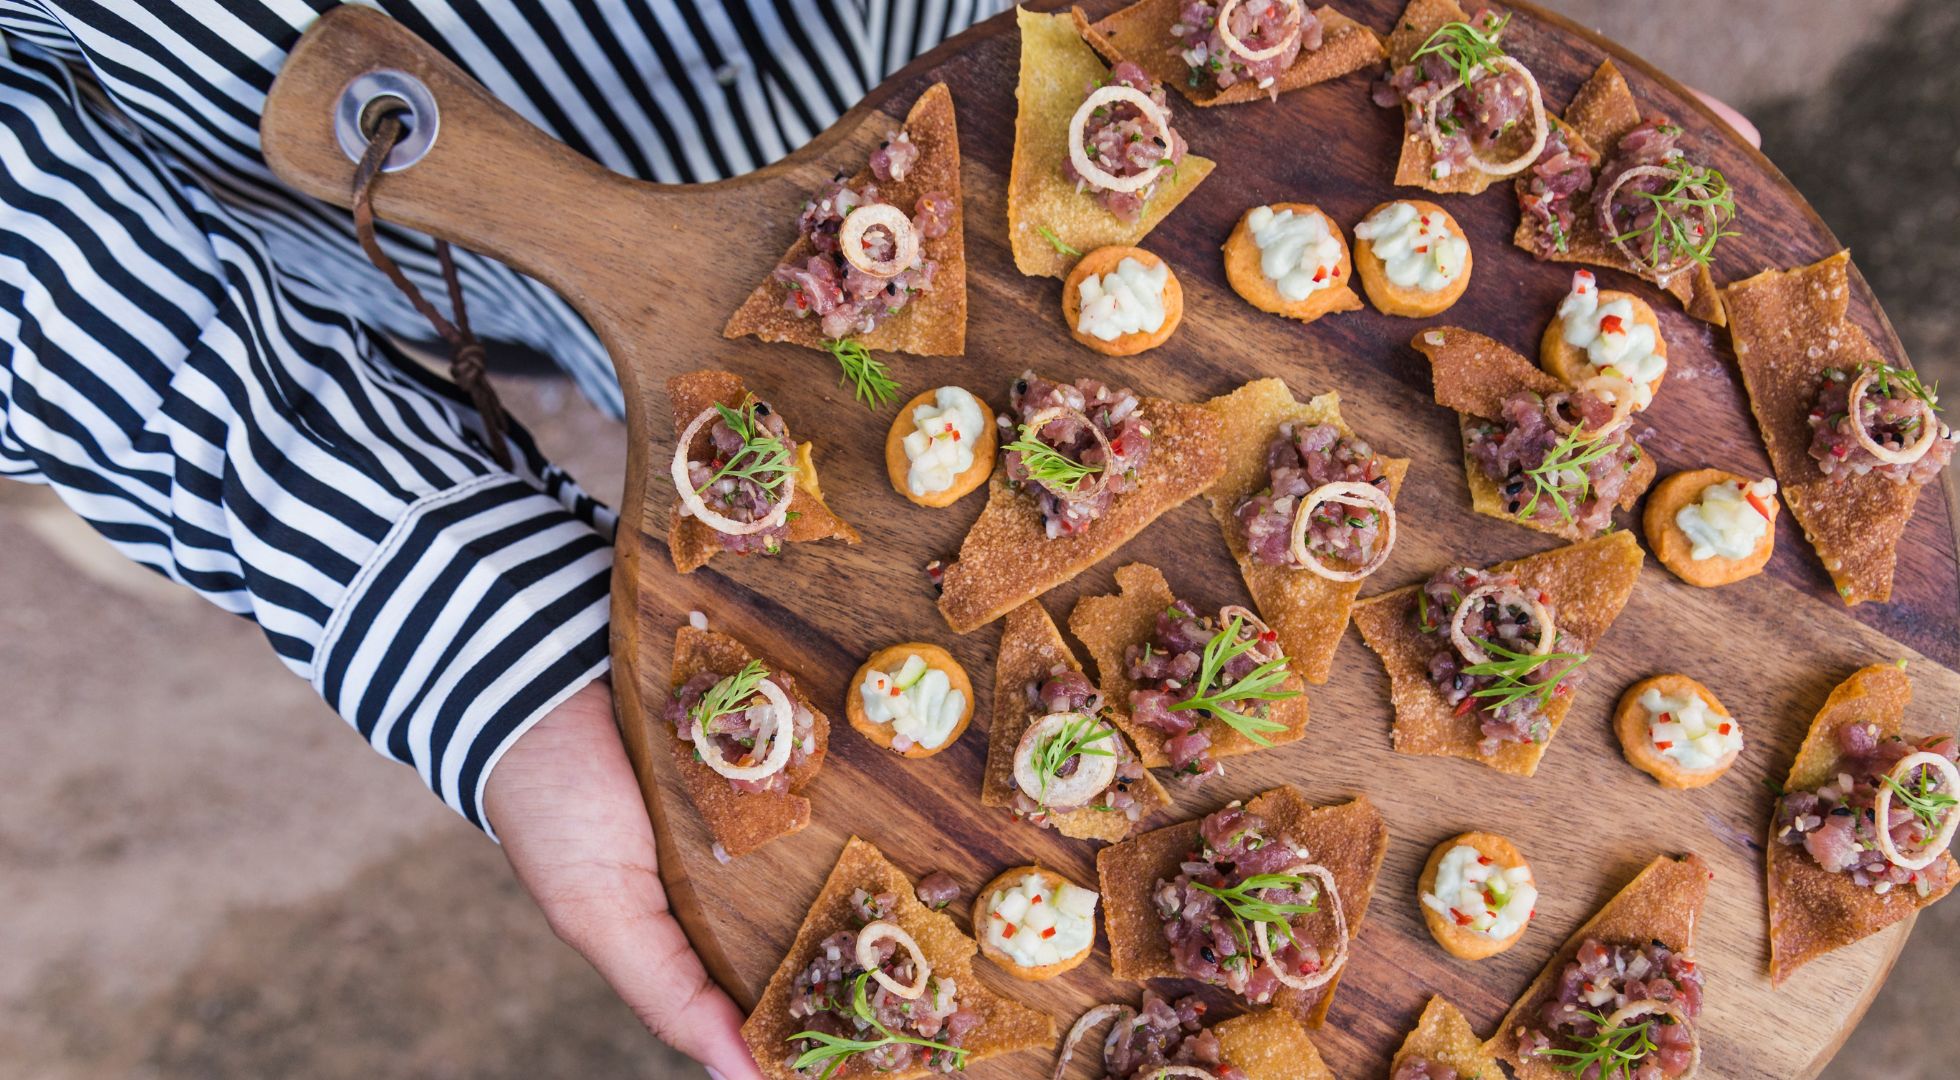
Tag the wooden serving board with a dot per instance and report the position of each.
(657, 269)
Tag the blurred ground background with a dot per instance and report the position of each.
(203, 874)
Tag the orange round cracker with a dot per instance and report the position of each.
(983, 909)
(1672, 546)
(1243, 271)
(889, 660)
(897, 465)
(1567, 362)
(1408, 301)
(1102, 261)
(1637, 741)
(1461, 941)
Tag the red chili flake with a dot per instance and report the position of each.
(1461, 918)
(1758, 504)
(802, 301)
(1465, 705)
(1840, 451)
(1664, 745)
(1483, 860)
(1048, 933)
(935, 570)
(1667, 718)
(956, 434)
(1320, 273)
(895, 692)
(1007, 931)
(1423, 250)
(1036, 900)
(1726, 728)
(1611, 324)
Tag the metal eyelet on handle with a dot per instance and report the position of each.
(359, 106)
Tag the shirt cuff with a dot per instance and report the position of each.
(483, 608)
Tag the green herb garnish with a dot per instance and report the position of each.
(730, 695)
(1884, 375)
(1246, 908)
(1466, 48)
(1074, 740)
(1611, 1053)
(1563, 468)
(833, 1051)
(1928, 806)
(763, 457)
(1048, 466)
(1056, 242)
(871, 383)
(1671, 233)
(1512, 670)
(1257, 685)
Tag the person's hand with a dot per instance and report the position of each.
(568, 809)
(1731, 116)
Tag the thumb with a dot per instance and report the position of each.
(652, 968)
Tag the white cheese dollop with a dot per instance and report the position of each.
(1687, 731)
(1614, 343)
(1476, 894)
(1127, 300)
(1299, 253)
(919, 702)
(940, 447)
(1035, 925)
(1722, 522)
(1417, 250)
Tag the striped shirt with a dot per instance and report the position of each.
(199, 360)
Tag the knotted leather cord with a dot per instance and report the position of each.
(465, 351)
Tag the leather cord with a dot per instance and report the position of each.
(465, 351)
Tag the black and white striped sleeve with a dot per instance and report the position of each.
(221, 425)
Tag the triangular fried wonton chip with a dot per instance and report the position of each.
(1307, 611)
(1108, 625)
(1419, 20)
(1603, 110)
(1587, 583)
(741, 821)
(1348, 839)
(1045, 213)
(1141, 33)
(1444, 1037)
(1662, 903)
(1811, 910)
(1270, 1045)
(1473, 374)
(1005, 1025)
(933, 323)
(690, 542)
(1031, 648)
(1788, 327)
(1008, 558)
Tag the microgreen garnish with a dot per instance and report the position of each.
(1466, 48)
(730, 695)
(1074, 740)
(1689, 212)
(1611, 1053)
(1056, 242)
(1563, 469)
(870, 382)
(1048, 466)
(1256, 685)
(1513, 671)
(763, 458)
(1246, 908)
(1929, 807)
(1884, 375)
(1422, 614)
(832, 1051)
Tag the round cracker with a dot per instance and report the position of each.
(1248, 280)
(1672, 546)
(1567, 362)
(1102, 261)
(1637, 742)
(983, 909)
(897, 465)
(1461, 941)
(889, 660)
(1404, 300)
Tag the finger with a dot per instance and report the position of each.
(1732, 118)
(653, 969)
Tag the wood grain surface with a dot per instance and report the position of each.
(656, 270)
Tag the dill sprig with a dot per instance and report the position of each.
(730, 695)
(1681, 228)
(1466, 48)
(832, 1051)
(1056, 242)
(1564, 468)
(763, 458)
(1246, 908)
(1048, 466)
(871, 383)
(1928, 806)
(1513, 671)
(1611, 1053)
(1257, 685)
(1885, 375)
(1074, 740)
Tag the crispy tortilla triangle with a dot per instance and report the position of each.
(1349, 840)
(1601, 111)
(1588, 583)
(1419, 20)
(1473, 374)
(740, 821)
(1787, 327)
(934, 322)
(1307, 611)
(1057, 70)
(1270, 1045)
(1141, 33)
(1444, 1037)
(1032, 648)
(1109, 625)
(1007, 558)
(1660, 904)
(691, 543)
(1005, 1025)
(1813, 911)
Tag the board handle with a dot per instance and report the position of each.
(486, 180)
